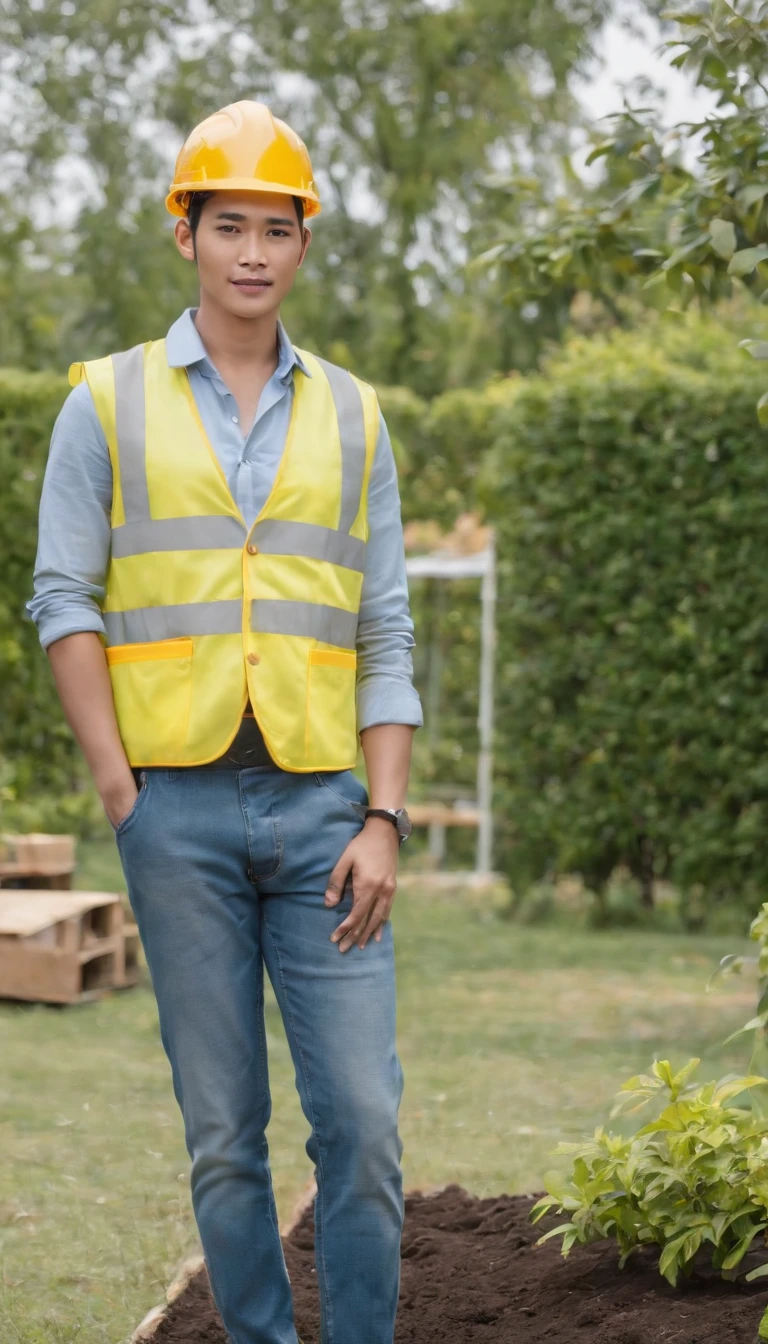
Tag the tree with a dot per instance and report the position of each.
(673, 232)
(407, 105)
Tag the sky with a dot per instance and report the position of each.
(625, 56)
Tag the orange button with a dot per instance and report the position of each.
(251, 549)
(253, 659)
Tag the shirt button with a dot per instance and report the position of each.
(253, 659)
(234, 420)
(251, 549)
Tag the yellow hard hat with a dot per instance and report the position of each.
(243, 148)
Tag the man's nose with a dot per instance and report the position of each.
(252, 250)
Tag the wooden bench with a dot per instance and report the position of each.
(437, 817)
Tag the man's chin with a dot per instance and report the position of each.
(251, 306)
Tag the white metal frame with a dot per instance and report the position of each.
(481, 565)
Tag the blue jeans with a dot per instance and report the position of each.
(227, 870)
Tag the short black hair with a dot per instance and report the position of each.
(198, 199)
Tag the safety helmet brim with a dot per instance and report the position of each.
(177, 201)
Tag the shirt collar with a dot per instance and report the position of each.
(184, 347)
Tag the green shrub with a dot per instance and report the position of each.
(441, 445)
(628, 486)
(43, 781)
(695, 1177)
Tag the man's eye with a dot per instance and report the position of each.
(282, 232)
(227, 228)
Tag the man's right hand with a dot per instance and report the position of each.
(117, 802)
(81, 674)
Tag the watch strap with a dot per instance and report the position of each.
(387, 813)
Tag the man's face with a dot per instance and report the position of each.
(249, 247)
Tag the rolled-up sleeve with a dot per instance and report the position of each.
(385, 690)
(74, 525)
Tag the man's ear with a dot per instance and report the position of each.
(184, 240)
(305, 244)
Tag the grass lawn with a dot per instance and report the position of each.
(511, 1039)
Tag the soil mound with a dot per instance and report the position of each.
(471, 1272)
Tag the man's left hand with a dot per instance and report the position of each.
(371, 859)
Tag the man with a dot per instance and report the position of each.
(220, 577)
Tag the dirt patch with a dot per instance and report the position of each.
(471, 1272)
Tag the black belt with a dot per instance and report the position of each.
(247, 749)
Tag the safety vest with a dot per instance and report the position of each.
(202, 613)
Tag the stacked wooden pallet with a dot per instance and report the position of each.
(37, 860)
(65, 946)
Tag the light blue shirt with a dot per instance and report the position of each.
(76, 502)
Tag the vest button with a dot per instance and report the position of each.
(253, 659)
(251, 549)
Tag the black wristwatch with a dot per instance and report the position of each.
(398, 816)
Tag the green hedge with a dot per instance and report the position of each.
(629, 485)
(440, 445)
(42, 777)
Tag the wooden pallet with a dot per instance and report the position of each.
(65, 947)
(37, 860)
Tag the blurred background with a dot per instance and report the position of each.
(544, 239)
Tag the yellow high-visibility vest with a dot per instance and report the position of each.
(202, 612)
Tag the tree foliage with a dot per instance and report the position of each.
(406, 106)
(679, 215)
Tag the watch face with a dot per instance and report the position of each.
(404, 825)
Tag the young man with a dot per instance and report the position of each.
(220, 587)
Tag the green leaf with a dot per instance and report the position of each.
(681, 253)
(600, 150)
(663, 1072)
(762, 1329)
(732, 1089)
(723, 235)
(751, 194)
(669, 1260)
(759, 1273)
(555, 1232)
(747, 259)
(758, 350)
(543, 1206)
(740, 1250)
(681, 1078)
(762, 409)
(760, 1022)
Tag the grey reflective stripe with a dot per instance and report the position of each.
(205, 533)
(331, 625)
(349, 411)
(131, 431)
(277, 537)
(147, 624)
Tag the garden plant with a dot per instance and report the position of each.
(693, 1181)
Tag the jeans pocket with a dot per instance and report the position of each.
(129, 816)
(346, 787)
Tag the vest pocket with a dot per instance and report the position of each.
(331, 737)
(152, 690)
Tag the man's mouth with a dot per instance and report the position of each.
(252, 286)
